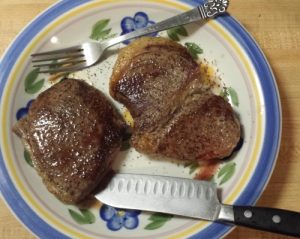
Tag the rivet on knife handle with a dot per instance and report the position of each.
(268, 219)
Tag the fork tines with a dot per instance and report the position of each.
(64, 60)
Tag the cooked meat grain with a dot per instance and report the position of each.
(72, 133)
(174, 115)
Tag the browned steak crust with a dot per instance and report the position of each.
(174, 115)
(72, 132)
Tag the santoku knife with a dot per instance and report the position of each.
(192, 198)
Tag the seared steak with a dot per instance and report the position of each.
(174, 114)
(72, 133)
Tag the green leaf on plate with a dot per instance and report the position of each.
(226, 172)
(225, 94)
(27, 158)
(103, 34)
(173, 36)
(230, 94)
(193, 49)
(77, 217)
(98, 31)
(100, 25)
(84, 217)
(181, 31)
(32, 86)
(192, 166)
(35, 87)
(88, 215)
(157, 220)
(31, 77)
(234, 96)
(175, 32)
(160, 217)
(155, 225)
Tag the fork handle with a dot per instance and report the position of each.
(207, 10)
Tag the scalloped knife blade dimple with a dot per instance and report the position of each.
(192, 198)
(185, 197)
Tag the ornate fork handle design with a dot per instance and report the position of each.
(214, 7)
(208, 10)
(92, 51)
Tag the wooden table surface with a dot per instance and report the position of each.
(276, 27)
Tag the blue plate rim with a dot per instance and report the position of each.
(270, 149)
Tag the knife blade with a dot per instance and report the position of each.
(192, 198)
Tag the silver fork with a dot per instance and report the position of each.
(87, 54)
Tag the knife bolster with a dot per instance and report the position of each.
(226, 213)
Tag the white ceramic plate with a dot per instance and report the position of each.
(233, 56)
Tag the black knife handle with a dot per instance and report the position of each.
(268, 219)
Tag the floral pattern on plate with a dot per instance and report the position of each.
(106, 26)
(117, 218)
(22, 112)
(138, 21)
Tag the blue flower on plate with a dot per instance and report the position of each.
(23, 111)
(130, 24)
(117, 218)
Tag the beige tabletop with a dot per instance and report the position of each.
(275, 24)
